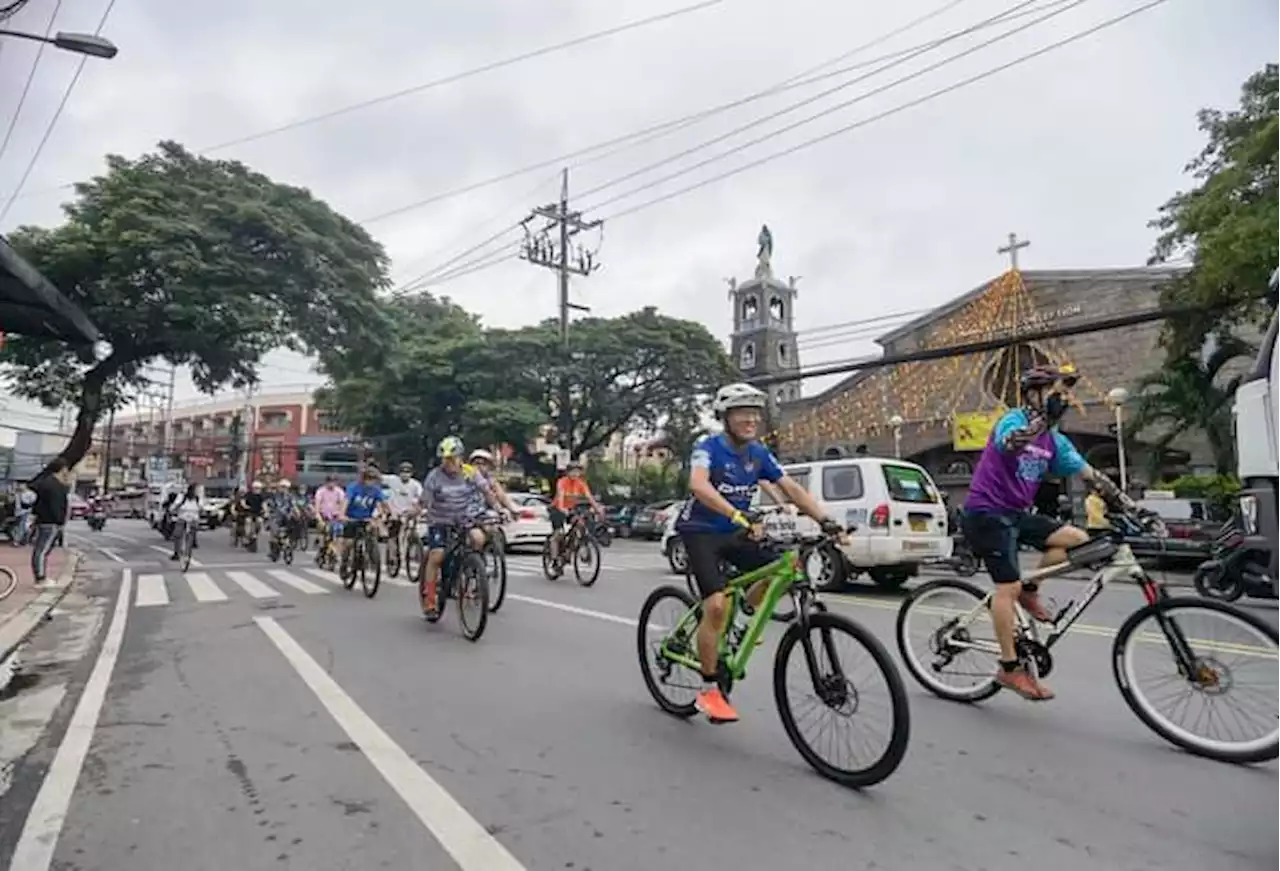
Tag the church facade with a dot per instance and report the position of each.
(938, 413)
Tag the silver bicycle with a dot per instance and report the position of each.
(1208, 671)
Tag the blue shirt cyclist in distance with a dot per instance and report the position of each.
(363, 498)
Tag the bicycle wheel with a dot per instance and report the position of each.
(549, 567)
(355, 562)
(371, 569)
(8, 582)
(933, 610)
(394, 555)
(287, 553)
(471, 589)
(496, 565)
(841, 695)
(413, 555)
(667, 623)
(185, 555)
(586, 561)
(1220, 667)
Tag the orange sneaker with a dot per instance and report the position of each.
(1024, 685)
(717, 708)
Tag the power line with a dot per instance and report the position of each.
(832, 109)
(901, 107)
(792, 107)
(62, 104)
(26, 87)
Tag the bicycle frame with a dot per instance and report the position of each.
(782, 574)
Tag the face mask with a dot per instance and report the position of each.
(1054, 407)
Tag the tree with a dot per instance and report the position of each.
(1227, 224)
(1189, 394)
(199, 262)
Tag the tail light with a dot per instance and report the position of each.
(880, 516)
(528, 514)
(660, 518)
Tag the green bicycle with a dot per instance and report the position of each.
(667, 644)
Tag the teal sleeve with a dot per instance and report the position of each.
(1067, 462)
(1013, 419)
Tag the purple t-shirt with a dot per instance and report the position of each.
(1006, 480)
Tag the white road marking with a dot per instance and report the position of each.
(251, 585)
(169, 552)
(204, 589)
(123, 538)
(325, 575)
(40, 833)
(112, 554)
(296, 582)
(151, 591)
(461, 835)
(573, 609)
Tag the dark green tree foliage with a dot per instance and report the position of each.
(1227, 224)
(198, 262)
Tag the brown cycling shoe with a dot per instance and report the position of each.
(717, 708)
(1031, 603)
(1024, 685)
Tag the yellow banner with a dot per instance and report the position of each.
(970, 429)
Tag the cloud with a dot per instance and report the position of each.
(1074, 151)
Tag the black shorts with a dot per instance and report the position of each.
(557, 518)
(353, 529)
(707, 549)
(995, 536)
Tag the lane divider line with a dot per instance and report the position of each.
(43, 827)
(461, 835)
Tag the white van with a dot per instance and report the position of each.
(897, 515)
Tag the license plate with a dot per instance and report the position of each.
(919, 546)
(918, 525)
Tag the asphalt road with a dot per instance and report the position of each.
(255, 717)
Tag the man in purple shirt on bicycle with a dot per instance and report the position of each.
(1024, 448)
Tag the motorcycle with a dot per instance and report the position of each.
(1234, 570)
(962, 561)
(97, 519)
(601, 531)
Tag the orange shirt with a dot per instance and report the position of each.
(570, 492)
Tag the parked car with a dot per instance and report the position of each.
(77, 507)
(620, 517)
(532, 525)
(650, 520)
(1192, 527)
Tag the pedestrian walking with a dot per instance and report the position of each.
(50, 514)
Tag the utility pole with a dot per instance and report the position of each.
(248, 426)
(542, 248)
(106, 458)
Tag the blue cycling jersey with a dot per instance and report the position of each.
(734, 473)
(362, 499)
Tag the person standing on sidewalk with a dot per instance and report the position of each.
(50, 513)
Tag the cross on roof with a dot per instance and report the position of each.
(1012, 249)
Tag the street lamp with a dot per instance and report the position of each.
(80, 43)
(1118, 396)
(896, 422)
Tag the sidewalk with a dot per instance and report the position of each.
(28, 605)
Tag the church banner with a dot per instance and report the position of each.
(970, 429)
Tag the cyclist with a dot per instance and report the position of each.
(186, 514)
(448, 498)
(255, 502)
(1024, 447)
(725, 471)
(366, 500)
(330, 503)
(482, 460)
(403, 503)
(572, 491)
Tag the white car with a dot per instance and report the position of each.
(532, 525)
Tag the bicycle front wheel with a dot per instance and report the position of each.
(186, 551)
(8, 582)
(371, 569)
(1232, 684)
(857, 687)
(496, 565)
(586, 561)
(471, 588)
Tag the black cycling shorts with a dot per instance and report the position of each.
(557, 518)
(707, 549)
(354, 528)
(995, 536)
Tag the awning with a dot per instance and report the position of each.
(31, 306)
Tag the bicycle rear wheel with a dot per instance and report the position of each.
(667, 624)
(471, 589)
(8, 582)
(586, 561)
(842, 695)
(371, 570)
(1247, 664)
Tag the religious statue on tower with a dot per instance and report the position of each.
(764, 257)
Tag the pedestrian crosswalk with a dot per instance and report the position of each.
(211, 586)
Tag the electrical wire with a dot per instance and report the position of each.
(26, 87)
(879, 116)
(48, 131)
(787, 128)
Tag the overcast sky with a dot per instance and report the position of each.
(1074, 150)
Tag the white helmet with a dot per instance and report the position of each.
(481, 454)
(738, 395)
(283, 484)
(257, 485)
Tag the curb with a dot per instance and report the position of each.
(16, 630)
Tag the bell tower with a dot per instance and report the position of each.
(763, 342)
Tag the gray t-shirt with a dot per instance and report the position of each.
(451, 499)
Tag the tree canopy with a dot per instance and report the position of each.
(444, 374)
(199, 262)
(1227, 223)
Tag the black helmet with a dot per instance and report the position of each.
(1046, 376)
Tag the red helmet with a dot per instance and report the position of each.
(1048, 375)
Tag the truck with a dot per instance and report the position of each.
(1256, 408)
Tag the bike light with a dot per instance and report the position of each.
(1249, 515)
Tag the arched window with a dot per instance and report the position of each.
(747, 357)
(777, 309)
(833, 453)
(750, 308)
(784, 354)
